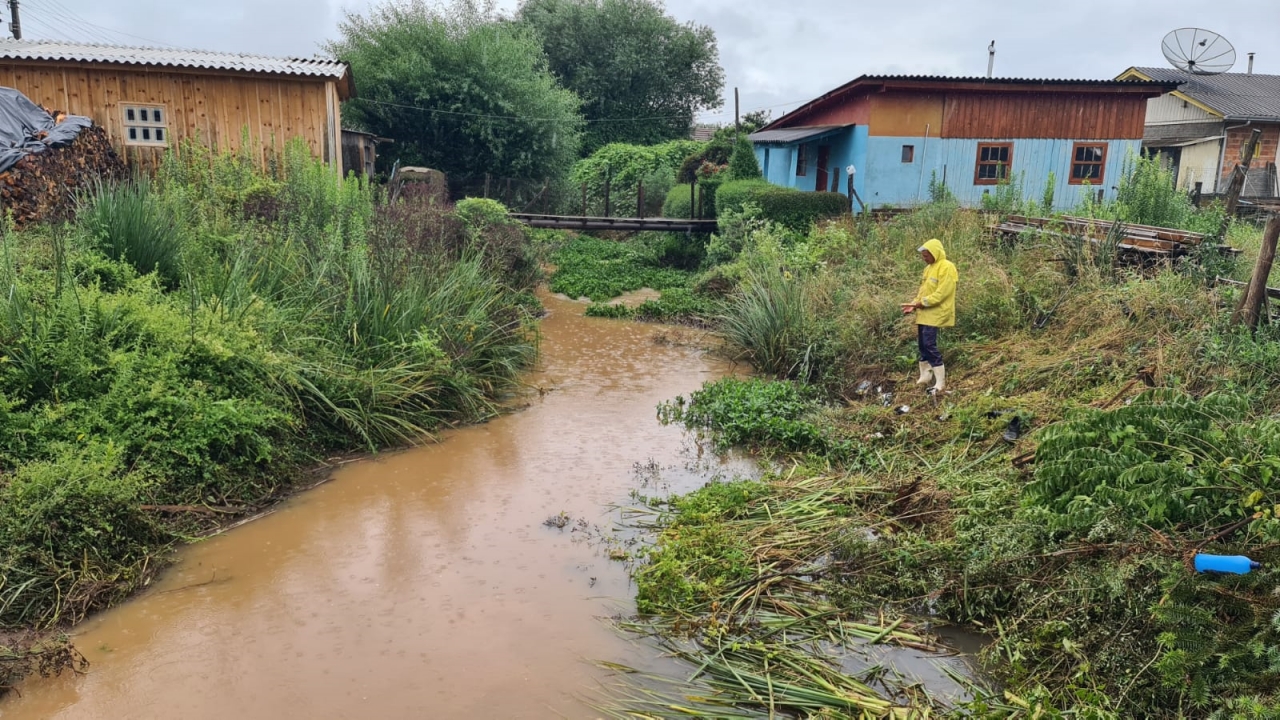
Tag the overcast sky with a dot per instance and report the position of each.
(779, 53)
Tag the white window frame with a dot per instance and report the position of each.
(135, 126)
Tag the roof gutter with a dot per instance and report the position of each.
(1222, 152)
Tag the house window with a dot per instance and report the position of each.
(766, 162)
(1087, 161)
(802, 161)
(146, 125)
(994, 161)
(908, 153)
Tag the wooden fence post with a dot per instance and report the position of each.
(486, 185)
(640, 200)
(1249, 311)
(608, 181)
(1238, 176)
(693, 198)
(584, 199)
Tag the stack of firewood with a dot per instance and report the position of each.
(45, 185)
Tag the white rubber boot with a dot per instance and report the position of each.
(940, 375)
(926, 373)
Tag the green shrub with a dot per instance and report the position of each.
(678, 203)
(796, 210)
(743, 164)
(504, 241)
(733, 195)
(626, 166)
(657, 186)
(1148, 194)
(67, 525)
(683, 251)
(715, 153)
(708, 187)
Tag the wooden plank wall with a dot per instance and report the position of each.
(218, 109)
(1044, 115)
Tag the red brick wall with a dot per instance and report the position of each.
(1267, 146)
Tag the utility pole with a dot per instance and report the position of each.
(737, 120)
(15, 22)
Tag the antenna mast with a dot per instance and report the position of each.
(991, 56)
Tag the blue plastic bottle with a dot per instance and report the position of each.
(1234, 564)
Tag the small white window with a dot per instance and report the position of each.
(146, 125)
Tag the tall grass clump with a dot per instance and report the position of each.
(765, 321)
(128, 222)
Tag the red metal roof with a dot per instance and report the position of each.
(978, 84)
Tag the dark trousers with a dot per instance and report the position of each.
(927, 339)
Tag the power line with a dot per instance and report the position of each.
(33, 20)
(90, 29)
(52, 16)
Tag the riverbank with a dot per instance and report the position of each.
(1103, 424)
(176, 355)
(434, 577)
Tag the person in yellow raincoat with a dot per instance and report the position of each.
(935, 307)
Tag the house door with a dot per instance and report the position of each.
(824, 155)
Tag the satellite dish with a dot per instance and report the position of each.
(1198, 51)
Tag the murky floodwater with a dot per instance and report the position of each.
(422, 584)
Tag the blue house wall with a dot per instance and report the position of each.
(883, 179)
(847, 147)
(896, 183)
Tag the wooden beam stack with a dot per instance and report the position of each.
(1144, 239)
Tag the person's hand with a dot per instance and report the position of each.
(908, 308)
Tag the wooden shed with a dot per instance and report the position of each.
(151, 99)
(360, 152)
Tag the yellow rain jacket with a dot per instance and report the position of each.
(938, 290)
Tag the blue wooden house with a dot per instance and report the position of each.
(900, 133)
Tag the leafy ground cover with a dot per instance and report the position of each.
(602, 270)
(185, 347)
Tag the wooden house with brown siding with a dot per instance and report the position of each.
(151, 99)
(902, 133)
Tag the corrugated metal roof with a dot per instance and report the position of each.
(163, 57)
(1002, 80)
(792, 135)
(1152, 88)
(1238, 96)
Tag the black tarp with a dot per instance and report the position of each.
(22, 122)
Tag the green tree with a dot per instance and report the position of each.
(743, 164)
(459, 90)
(642, 75)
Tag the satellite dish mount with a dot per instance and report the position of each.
(1197, 51)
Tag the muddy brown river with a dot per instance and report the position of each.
(420, 584)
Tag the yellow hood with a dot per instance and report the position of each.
(935, 249)
(937, 294)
